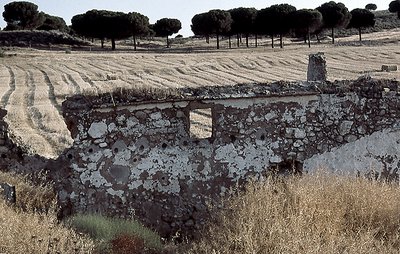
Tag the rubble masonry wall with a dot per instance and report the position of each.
(140, 159)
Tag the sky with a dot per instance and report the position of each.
(183, 10)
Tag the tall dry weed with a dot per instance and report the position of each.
(31, 226)
(311, 214)
(30, 197)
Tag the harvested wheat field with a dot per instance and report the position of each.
(34, 83)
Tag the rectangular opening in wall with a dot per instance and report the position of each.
(201, 123)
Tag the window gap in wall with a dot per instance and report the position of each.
(201, 123)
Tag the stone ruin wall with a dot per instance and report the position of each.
(9, 153)
(14, 157)
(140, 159)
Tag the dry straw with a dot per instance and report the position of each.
(320, 213)
(32, 226)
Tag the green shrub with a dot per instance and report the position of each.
(104, 230)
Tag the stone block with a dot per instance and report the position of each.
(317, 67)
(8, 191)
(389, 68)
(112, 77)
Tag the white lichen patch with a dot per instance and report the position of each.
(119, 193)
(361, 156)
(97, 130)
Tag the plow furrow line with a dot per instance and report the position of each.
(52, 96)
(21, 119)
(11, 88)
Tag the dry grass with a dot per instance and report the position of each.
(34, 198)
(313, 214)
(25, 230)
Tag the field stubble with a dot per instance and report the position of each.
(34, 83)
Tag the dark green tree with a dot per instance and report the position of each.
(80, 25)
(243, 21)
(139, 25)
(307, 21)
(220, 23)
(335, 15)
(394, 7)
(281, 22)
(371, 7)
(201, 25)
(53, 23)
(102, 24)
(264, 24)
(166, 27)
(361, 18)
(22, 15)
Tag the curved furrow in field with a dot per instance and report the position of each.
(126, 67)
(223, 71)
(352, 67)
(215, 76)
(10, 89)
(184, 79)
(193, 78)
(64, 78)
(20, 118)
(149, 64)
(161, 82)
(171, 60)
(74, 84)
(350, 56)
(389, 56)
(143, 78)
(62, 87)
(199, 77)
(52, 95)
(76, 80)
(165, 78)
(4, 80)
(269, 62)
(254, 73)
(103, 69)
(134, 82)
(46, 112)
(280, 72)
(94, 76)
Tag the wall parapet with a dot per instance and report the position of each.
(124, 97)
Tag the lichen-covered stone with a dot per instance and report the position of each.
(143, 152)
(317, 67)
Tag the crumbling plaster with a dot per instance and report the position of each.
(139, 158)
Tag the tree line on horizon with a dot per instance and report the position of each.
(278, 20)
(281, 20)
